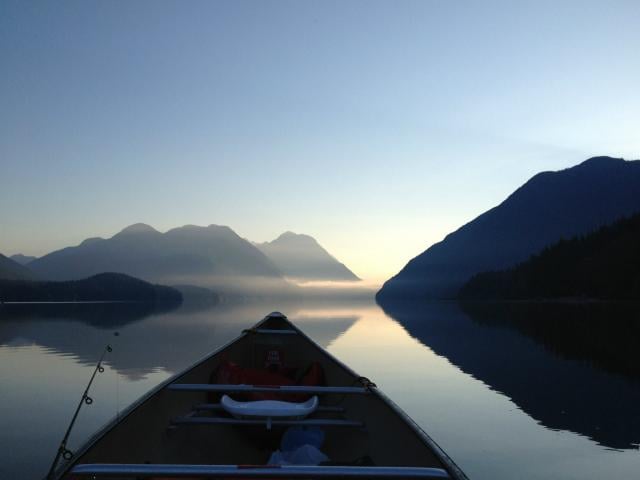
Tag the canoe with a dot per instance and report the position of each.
(194, 426)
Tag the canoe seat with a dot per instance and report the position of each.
(269, 408)
(216, 407)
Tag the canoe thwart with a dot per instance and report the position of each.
(97, 470)
(270, 331)
(278, 389)
(268, 422)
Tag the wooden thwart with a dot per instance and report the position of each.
(271, 331)
(309, 422)
(277, 389)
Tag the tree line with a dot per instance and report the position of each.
(604, 264)
(103, 287)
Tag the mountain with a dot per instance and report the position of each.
(12, 270)
(301, 257)
(213, 256)
(550, 206)
(103, 287)
(604, 264)
(22, 259)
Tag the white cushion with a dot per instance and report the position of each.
(269, 408)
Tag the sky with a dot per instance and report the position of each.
(376, 127)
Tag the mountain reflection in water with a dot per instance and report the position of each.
(569, 366)
(146, 338)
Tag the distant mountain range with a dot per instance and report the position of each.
(300, 257)
(212, 257)
(547, 208)
(12, 270)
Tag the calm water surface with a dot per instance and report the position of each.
(516, 391)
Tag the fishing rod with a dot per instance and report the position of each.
(63, 451)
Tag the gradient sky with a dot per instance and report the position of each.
(376, 127)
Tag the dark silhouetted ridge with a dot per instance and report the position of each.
(91, 240)
(104, 287)
(550, 206)
(604, 265)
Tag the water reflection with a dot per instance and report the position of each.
(570, 367)
(101, 315)
(145, 338)
(503, 389)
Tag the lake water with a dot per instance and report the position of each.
(509, 391)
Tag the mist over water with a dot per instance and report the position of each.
(491, 385)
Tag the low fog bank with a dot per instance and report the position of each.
(230, 289)
(338, 290)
